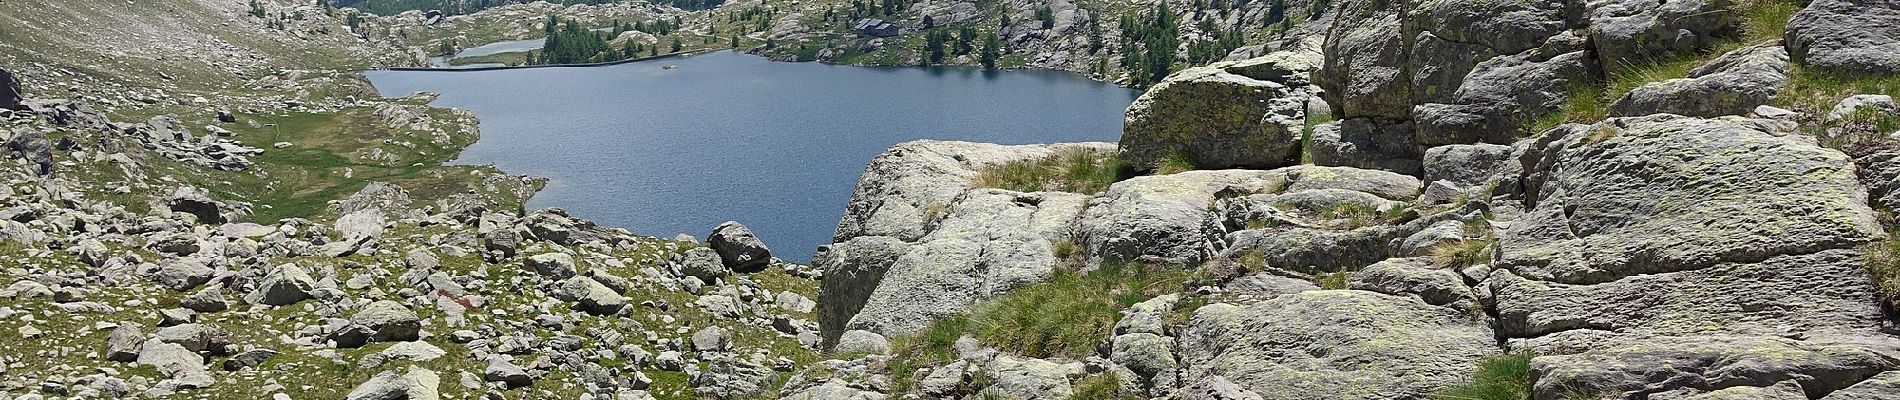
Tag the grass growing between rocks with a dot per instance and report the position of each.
(1066, 315)
(1105, 386)
(1063, 317)
(1883, 264)
(1762, 22)
(1078, 170)
(1502, 377)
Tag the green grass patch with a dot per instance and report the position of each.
(1075, 170)
(1103, 386)
(1502, 377)
(1463, 253)
(1067, 315)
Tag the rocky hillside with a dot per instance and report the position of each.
(1603, 199)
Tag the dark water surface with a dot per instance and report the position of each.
(726, 136)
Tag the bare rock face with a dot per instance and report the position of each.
(1234, 114)
(1853, 37)
(1673, 257)
(1375, 346)
(1693, 365)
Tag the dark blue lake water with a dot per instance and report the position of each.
(777, 146)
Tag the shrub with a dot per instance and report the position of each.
(1503, 377)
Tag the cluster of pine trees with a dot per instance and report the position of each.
(939, 44)
(1148, 45)
(569, 43)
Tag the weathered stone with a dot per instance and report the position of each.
(10, 98)
(1363, 143)
(1635, 31)
(183, 274)
(1666, 193)
(1159, 218)
(1029, 378)
(1885, 386)
(857, 341)
(738, 248)
(989, 242)
(285, 285)
(592, 297)
(125, 343)
(732, 378)
(552, 265)
(389, 321)
(1786, 390)
(899, 189)
(176, 362)
(852, 270)
(1216, 387)
(1464, 165)
(500, 370)
(1377, 346)
(1854, 37)
(1733, 84)
(1660, 364)
(1414, 277)
(417, 384)
(1215, 119)
(1364, 74)
(197, 202)
(702, 263)
(712, 339)
(1877, 104)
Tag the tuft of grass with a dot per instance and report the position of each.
(1103, 386)
(1331, 280)
(1463, 253)
(1064, 248)
(1176, 163)
(1076, 170)
(1602, 133)
(1068, 314)
(1883, 265)
(1502, 377)
(936, 345)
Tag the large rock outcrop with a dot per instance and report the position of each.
(1678, 226)
(1853, 37)
(897, 191)
(1235, 114)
